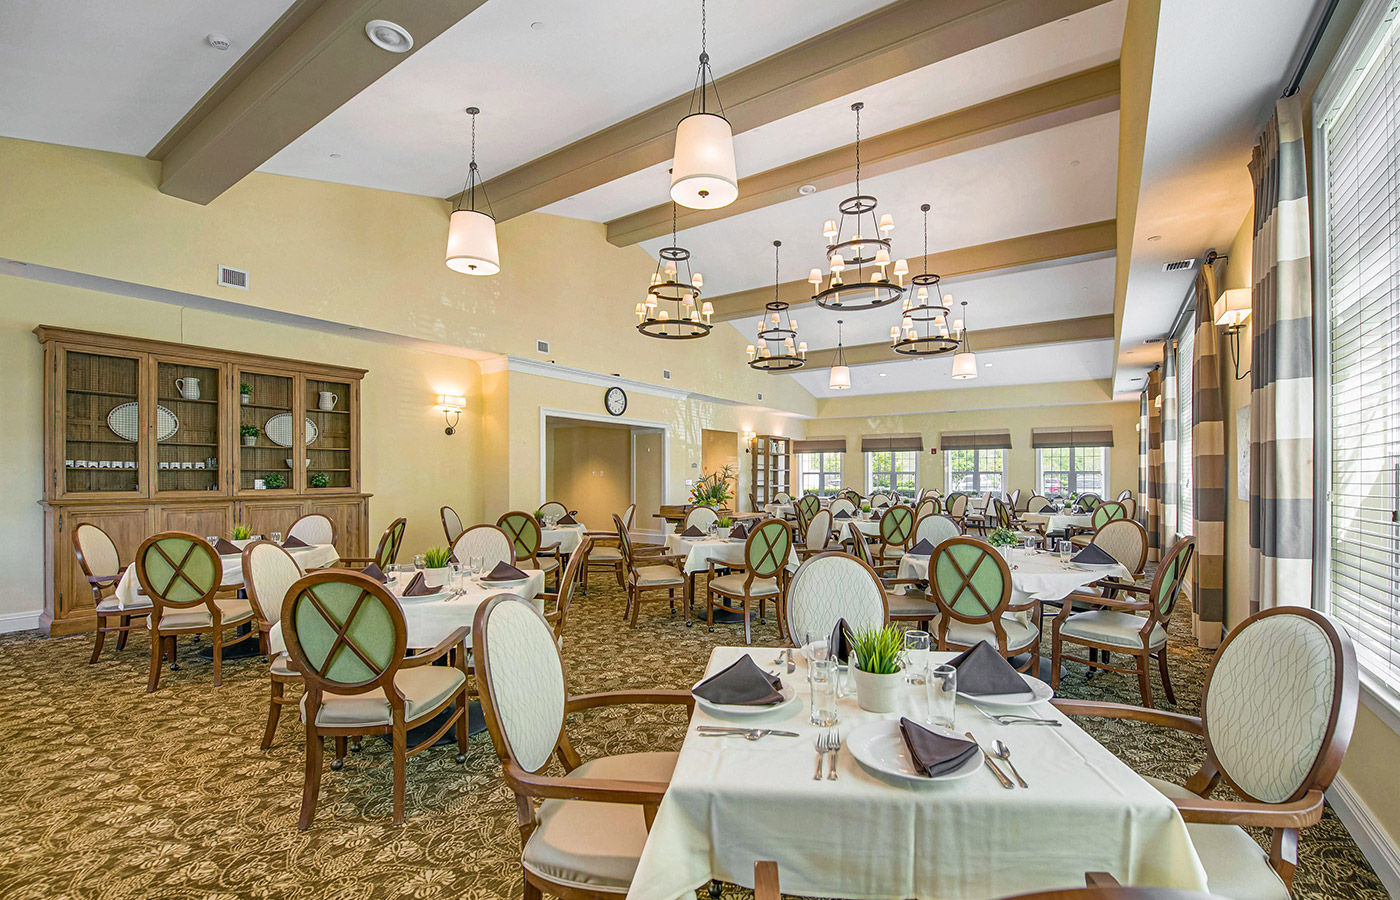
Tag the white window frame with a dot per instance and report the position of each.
(823, 489)
(896, 471)
(1073, 471)
(978, 472)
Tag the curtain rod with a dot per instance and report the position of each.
(1296, 81)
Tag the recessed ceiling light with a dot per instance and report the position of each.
(335, 156)
(1136, 378)
(537, 26)
(1153, 341)
(218, 41)
(807, 189)
(883, 374)
(389, 36)
(986, 365)
(1154, 237)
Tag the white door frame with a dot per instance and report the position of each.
(546, 412)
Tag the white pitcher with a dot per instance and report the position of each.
(188, 388)
(325, 400)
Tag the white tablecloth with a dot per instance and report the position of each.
(1038, 576)
(568, 537)
(779, 510)
(733, 801)
(313, 557)
(1059, 521)
(431, 619)
(699, 552)
(868, 527)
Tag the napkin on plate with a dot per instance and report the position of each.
(692, 532)
(842, 515)
(935, 754)
(983, 671)
(738, 531)
(1050, 510)
(742, 684)
(922, 548)
(1094, 555)
(226, 548)
(418, 587)
(293, 543)
(839, 644)
(373, 571)
(567, 519)
(504, 571)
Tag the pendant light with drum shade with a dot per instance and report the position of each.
(923, 329)
(840, 377)
(964, 361)
(672, 309)
(703, 175)
(471, 233)
(777, 329)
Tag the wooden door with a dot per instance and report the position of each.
(72, 604)
(351, 517)
(100, 431)
(265, 517)
(214, 520)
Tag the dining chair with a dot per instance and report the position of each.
(1124, 494)
(971, 583)
(955, 505)
(346, 635)
(1098, 886)
(842, 504)
(1014, 500)
(647, 574)
(896, 530)
(1116, 626)
(878, 499)
(555, 508)
(808, 505)
(761, 577)
(387, 553)
(314, 528)
(831, 586)
(935, 529)
(1037, 503)
(180, 573)
(1126, 541)
(860, 549)
(1088, 501)
(268, 573)
(1005, 518)
(701, 517)
(930, 492)
(852, 495)
(1130, 505)
(819, 535)
(581, 833)
(782, 497)
(490, 542)
(568, 584)
(528, 543)
(1277, 711)
(451, 523)
(1105, 512)
(604, 552)
(101, 565)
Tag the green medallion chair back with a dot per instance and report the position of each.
(896, 531)
(387, 553)
(850, 494)
(490, 542)
(181, 574)
(766, 552)
(346, 635)
(1089, 501)
(1277, 712)
(648, 573)
(808, 505)
(1037, 503)
(843, 503)
(1108, 511)
(314, 528)
(268, 573)
(935, 529)
(1137, 628)
(526, 539)
(451, 524)
(832, 586)
(971, 583)
(101, 566)
(701, 517)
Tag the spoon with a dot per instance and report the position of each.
(1003, 753)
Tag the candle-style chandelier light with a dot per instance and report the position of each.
(923, 330)
(858, 253)
(964, 361)
(672, 309)
(776, 348)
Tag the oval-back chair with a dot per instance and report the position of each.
(971, 582)
(818, 536)
(101, 566)
(527, 540)
(314, 528)
(490, 542)
(828, 587)
(1037, 503)
(701, 517)
(268, 573)
(451, 524)
(766, 552)
(841, 504)
(387, 553)
(553, 508)
(896, 530)
(935, 529)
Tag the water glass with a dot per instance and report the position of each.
(420, 562)
(476, 564)
(1066, 551)
(1030, 545)
(276, 537)
(941, 694)
(823, 676)
(917, 645)
(391, 573)
(456, 568)
(212, 540)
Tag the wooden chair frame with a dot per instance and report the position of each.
(529, 537)
(387, 553)
(510, 543)
(804, 548)
(278, 698)
(532, 787)
(335, 531)
(775, 554)
(454, 647)
(993, 610)
(566, 587)
(446, 528)
(896, 530)
(565, 511)
(102, 586)
(636, 593)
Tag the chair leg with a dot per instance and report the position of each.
(124, 633)
(462, 735)
(1166, 680)
(400, 770)
(274, 712)
(1055, 660)
(532, 892)
(1144, 679)
(97, 643)
(154, 679)
(617, 570)
(636, 605)
(217, 640)
(339, 762)
(747, 638)
(311, 787)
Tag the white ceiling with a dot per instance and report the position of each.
(116, 76)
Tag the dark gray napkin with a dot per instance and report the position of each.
(293, 543)
(693, 531)
(504, 571)
(741, 684)
(935, 754)
(982, 671)
(838, 646)
(1050, 510)
(842, 515)
(568, 519)
(418, 587)
(226, 548)
(373, 571)
(1095, 555)
(738, 531)
(922, 548)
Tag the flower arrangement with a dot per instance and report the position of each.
(877, 650)
(436, 557)
(713, 489)
(1002, 537)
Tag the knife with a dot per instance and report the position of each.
(1001, 776)
(716, 729)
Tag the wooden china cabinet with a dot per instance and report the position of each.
(772, 468)
(146, 436)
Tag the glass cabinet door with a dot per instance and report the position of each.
(188, 457)
(268, 431)
(103, 431)
(329, 435)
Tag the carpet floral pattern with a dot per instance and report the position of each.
(110, 792)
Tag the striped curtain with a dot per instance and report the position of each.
(1144, 434)
(1281, 383)
(1171, 478)
(1207, 468)
(1156, 470)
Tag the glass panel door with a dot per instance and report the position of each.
(329, 439)
(267, 431)
(187, 401)
(102, 423)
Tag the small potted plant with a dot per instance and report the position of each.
(274, 481)
(250, 435)
(437, 569)
(865, 510)
(242, 536)
(539, 516)
(1003, 539)
(875, 659)
(319, 480)
(245, 392)
(724, 523)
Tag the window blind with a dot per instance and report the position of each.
(1185, 496)
(1362, 209)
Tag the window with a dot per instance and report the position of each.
(892, 470)
(1185, 498)
(976, 471)
(1073, 470)
(819, 473)
(1359, 278)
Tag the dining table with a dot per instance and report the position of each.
(866, 527)
(732, 801)
(313, 556)
(568, 537)
(1035, 575)
(699, 551)
(1059, 521)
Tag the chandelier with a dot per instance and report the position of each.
(840, 377)
(776, 348)
(863, 257)
(964, 361)
(702, 168)
(671, 310)
(923, 330)
(471, 233)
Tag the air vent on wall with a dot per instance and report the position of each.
(666, 374)
(541, 346)
(234, 278)
(1179, 265)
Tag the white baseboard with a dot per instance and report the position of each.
(1376, 844)
(20, 621)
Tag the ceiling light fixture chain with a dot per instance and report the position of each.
(777, 329)
(471, 234)
(672, 310)
(923, 326)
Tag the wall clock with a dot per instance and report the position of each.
(615, 400)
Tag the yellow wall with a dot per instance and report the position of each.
(590, 470)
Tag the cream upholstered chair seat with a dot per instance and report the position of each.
(138, 603)
(232, 610)
(596, 846)
(601, 553)
(423, 688)
(282, 665)
(1236, 866)
(659, 576)
(1019, 634)
(911, 606)
(1112, 627)
(734, 583)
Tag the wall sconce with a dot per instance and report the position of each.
(1232, 310)
(1158, 402)
(748, 435)
(451, 411)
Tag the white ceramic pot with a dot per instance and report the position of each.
(188, 387)
(245, 398)
(877, 693)
(250, 441)
(437, 577)
(241, 544)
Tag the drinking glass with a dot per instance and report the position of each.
(477, 563)
(1030, 545)
(823, 677)
(941, 694)
(391, 572)
(212, 540)
(1066, 551)
(916, 649)
(420, 562)
(276, 537)
(457, 584)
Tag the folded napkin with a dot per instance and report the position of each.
(1052, 510)
(742, 684)
(226, 548)
(293, 543)
(1095, 555)
(935, 754)
(373, 571)
(842, 515)
(504, 571)
(692, 531)
(839, 644)
(418, 587)
(982, 670)
(738, 531)
(567, 519)
(922, 548)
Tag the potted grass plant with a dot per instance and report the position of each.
(242, 536)
(875, 659)
(1003, 539)
(250, 435)
(437, 567)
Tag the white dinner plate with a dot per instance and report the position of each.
(1042, 690)
(880, 747)
(733, 710)
(435, 595)
(503, 585)
(1097, 566)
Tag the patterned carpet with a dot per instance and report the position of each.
(111, 792)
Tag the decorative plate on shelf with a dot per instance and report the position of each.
(125, 422)
(279, 430)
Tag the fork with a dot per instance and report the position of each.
(1018, 720)
(833, 746)
(820, 744)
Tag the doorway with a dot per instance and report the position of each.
(599, 467)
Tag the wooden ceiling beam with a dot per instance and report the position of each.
(886, 43)
(1033, 334)
(1073, 98)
